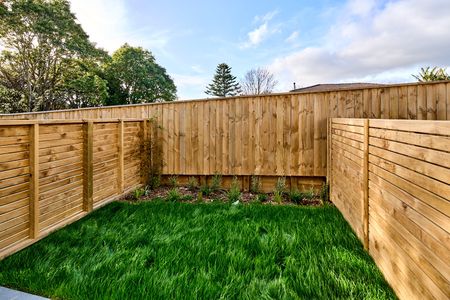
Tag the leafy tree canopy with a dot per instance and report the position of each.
(432, 74)
(135, 77)
(49, 63)
(224, 84)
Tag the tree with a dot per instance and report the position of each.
(134, 77)
(258, 81)
(432, 74)
(224, 84)
(41, 39)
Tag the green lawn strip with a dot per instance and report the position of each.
(163, 250)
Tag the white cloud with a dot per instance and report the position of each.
(108, 24)
(293, 37)
(369, 42)
(262, 32)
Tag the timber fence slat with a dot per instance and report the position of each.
(404, 220)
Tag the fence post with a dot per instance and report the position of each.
(365, 204)
(145, 159)
(120, 175)
(329, 157)
(34, 181)
(88, 179)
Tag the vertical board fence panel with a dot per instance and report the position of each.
(55, 172)
(271, 135)
(405, 179)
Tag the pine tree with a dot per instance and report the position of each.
(224, 84)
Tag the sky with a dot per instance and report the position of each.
(302, 41)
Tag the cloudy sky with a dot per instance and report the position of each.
(302, 41)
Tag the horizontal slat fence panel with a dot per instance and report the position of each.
(276, 134)
(55, 172)
(408, 200)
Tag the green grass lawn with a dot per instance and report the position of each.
(157, 250)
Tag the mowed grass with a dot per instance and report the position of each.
(158, 250)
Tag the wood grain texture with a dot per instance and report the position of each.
(405, 187)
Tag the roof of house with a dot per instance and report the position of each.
(328, 87)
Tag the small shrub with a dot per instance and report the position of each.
(278, 197)
(173, 195)
(310, 194)
(255, 185)
(216, 182)
(192, 183)
(234, 194)
(280, 186)
(154, 181)
(173, 181)
(280, 190)
(205, 189)
(138, 193)
(325, 193)
(261, 197)
(295, 196)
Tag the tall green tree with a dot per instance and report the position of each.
(135, 77)
(42, 41)
(432, 74)
(224, 84)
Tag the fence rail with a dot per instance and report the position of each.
(390, 179)
(55, 172)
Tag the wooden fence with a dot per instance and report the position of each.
(270, 135)
(55, 172)
(390, 179)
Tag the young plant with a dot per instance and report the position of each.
(295, 196)
(173, 181)
(255, 184)
(310, 194)
(234, 194)
(261, 197)
(205, 190)
(325, 193)
(280, 189)
(173, 195)
(216, 182)
(192, 183)
(138, 193)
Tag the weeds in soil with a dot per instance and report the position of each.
(192, 183)
(173, 195)
(295, 195)
(173, 181)
(255, 184)
(234, 193)
(138, 193)
(216, 182)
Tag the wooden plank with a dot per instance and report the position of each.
(120, 176)
(365, 202)
(428, 127)
(88, 167)
(34, 181)
(412, 102)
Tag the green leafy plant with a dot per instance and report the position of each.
(205, 190)
(310, 194)
(295, 195)
(138, 193)
(277, 197)
(255, 184)
(187, 197)
(432, 74)
(280, 186)
(192, 183)
(261, 197)
(173, 195)
(173, 181)
(216, 182)
(234, 193)
(325, 193)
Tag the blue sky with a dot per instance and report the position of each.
(309, 42)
